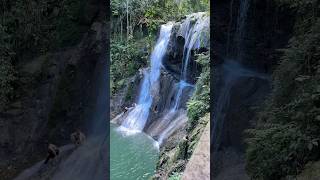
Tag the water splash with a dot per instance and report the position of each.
(179, 120)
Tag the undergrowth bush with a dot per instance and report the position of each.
(31, 29)
(199, 103)
(126, 59)
(287, 134)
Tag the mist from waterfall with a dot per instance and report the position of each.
(90, 161)
(231, 72)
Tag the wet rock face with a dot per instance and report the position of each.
(182, 44)
(238, 91)
(126, 96)
(246, 95)
(266, 29)
(56, 94)
(263, 26)
(173, 61)
(163, 101)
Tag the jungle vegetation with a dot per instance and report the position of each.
(31, 29)
(287, 135)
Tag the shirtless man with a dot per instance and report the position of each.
(53, 151)
(77, 137)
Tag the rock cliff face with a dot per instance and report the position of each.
(247, 33)
(266, 28)
(55, 97)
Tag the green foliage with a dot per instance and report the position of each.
(196, 133)
(126, 59)
(165, 11)
(286, 136)
(285, 148)
(298, 4)
(153, 12)
(40, 25)
(34, 28)
(199, 104)
(129, 94)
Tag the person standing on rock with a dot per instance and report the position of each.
(53, 151)
(77, 137)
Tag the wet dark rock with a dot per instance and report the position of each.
(126, 96)
(56, 97)
(264, 33)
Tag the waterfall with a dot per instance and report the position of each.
(241, 27)
(231, 72)
(138, 116)
(194, 36)
(195, 31)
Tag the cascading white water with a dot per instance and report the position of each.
(136, 119)
(195, 31)
(181, 85)
(193, 36)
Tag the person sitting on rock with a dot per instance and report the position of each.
(77, 137)
(53, 151)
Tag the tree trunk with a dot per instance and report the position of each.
(127, 20)
(121, 26)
